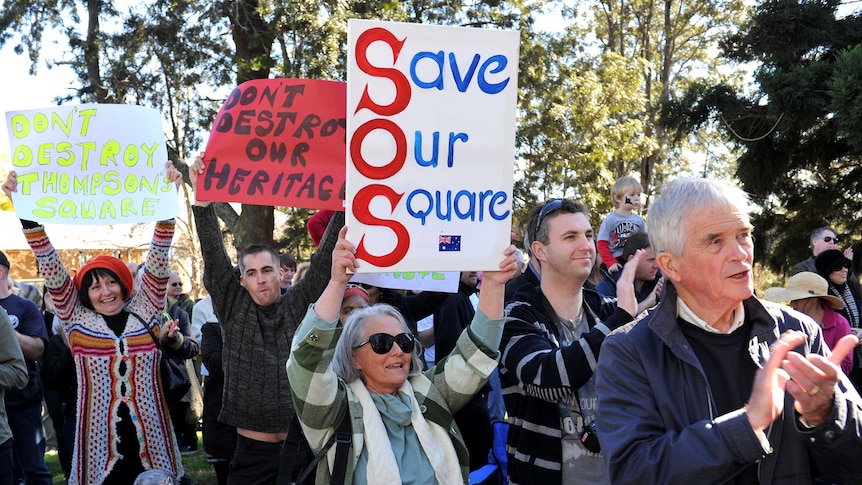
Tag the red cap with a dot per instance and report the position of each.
(353, 290)
(110, 263)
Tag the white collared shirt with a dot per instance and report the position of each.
(683, 311)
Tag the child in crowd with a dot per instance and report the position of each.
(621, 223)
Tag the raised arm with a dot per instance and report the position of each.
(343, 265)
(220, 279)
(459, 375)
(318, 399)
(57, 279)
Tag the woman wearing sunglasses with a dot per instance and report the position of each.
(368, 370)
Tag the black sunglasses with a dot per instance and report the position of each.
(176, 284)
(830, 239)
(546, 209)
(381, 343)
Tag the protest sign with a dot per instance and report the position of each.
(431, 140)
(91, 164)
(412, 280)
(278, 142)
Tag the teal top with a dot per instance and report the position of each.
(395, 411)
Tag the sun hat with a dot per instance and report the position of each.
(804, 285)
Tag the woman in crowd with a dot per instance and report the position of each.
(367, 370)
(834, 267)
(122, 425)
(808, 293)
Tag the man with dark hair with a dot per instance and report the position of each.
(823, 239)
(532, 274)
(647, 276)
(550, 345)
(288, 269)
(24, 406)
(258, 323)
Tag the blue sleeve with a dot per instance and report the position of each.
(31, 322)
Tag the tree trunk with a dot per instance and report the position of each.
(91, 52)
(253, 39)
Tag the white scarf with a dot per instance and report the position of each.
(433, 439)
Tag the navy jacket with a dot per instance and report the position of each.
(657, 422)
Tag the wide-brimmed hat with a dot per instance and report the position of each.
(804, 285)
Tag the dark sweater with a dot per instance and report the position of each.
(257, 339)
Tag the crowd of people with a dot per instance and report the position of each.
(638, 354)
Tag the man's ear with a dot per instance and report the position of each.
(669, 265)
(538, 251)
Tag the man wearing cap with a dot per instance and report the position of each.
(258, 323)
(24, 406)
(823, 239)
(808, 293)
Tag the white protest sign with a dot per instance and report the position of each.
(91, 164)
(431, 144)
(412, 280)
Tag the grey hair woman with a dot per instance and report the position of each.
(354, 334)
(368, 371)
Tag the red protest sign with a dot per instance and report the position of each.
(278, 142)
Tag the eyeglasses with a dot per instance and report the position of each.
(381, 343)
(176, 284)
(546, 209)
(830, 239)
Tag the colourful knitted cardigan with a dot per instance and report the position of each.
(97, 353)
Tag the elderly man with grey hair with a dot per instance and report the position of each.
(714, 385)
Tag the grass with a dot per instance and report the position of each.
(196, 465)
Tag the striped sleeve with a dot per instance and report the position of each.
(151, 296)
(57, 279)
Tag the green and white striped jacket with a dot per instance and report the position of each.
(322, 400)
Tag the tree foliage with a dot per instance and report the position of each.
(669, 44)
(798, 129)
(588, 94)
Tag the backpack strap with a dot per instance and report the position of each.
(342, 437)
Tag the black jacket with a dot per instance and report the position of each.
(58, 372)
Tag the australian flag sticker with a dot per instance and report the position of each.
(450, 243)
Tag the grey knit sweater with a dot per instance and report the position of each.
(256, 338)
